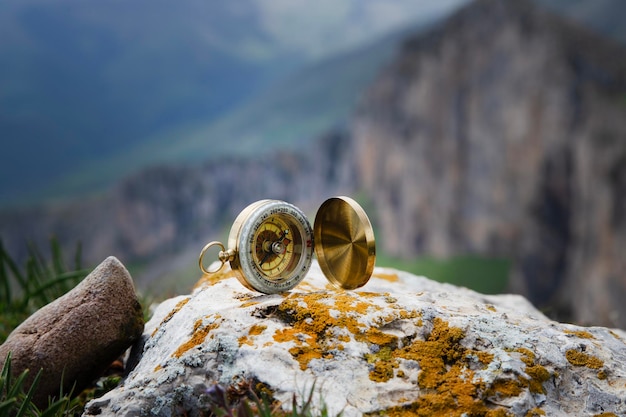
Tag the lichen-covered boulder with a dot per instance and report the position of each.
(402, 345)
(74, 338)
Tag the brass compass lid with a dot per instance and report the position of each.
(344, 242)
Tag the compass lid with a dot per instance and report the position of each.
(344, 242)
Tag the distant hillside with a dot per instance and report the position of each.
(604, 16)
(86, 83)
(503, 133)
(288, 116)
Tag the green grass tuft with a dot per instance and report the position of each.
(24, 291)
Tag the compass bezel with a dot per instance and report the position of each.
(242, 238)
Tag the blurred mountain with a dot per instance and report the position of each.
(499, 133)
(85, 85)
(503, 133)
(603, 16)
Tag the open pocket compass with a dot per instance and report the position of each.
(271, 245)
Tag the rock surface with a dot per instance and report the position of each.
(401, 345)
(74, 338)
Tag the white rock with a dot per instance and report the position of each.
(399, 344)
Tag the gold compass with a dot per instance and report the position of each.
(271, 244)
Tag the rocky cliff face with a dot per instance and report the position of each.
(164, 210)
(503, 132)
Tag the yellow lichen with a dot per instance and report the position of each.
(376, 337)
(606, 415)
(200, 332)
(537, 373)
(169, 316)
(208, 280)
(580, 333)
(318, 322)
(305, 354)
(249, 303)
(615, 335)
(535, 412)
(491, 307)
(578, 358)
(255, 330)
(447, 381)
(484, 357)
(387, 277)
(602, 374)
(383, 370)
(505, 388)
(448, 386)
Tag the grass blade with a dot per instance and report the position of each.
(15, 271)
(5, 375)
(14, 389)
(6, 295)
(29, 395)
(40, 291)
(5, 406)
(57, 257)
(56, 408)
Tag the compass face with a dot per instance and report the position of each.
(275, 246)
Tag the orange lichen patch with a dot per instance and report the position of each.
(448, 387)
(577, 358)
(200, 332)
(376, 337)
(417, 410)
(391, 300)
(249, 304)
(383, 370)
(255, 330)
(387, 277)
(208, 280)
(305, 354)
(580, 333)
(288, 335)
(402, 314)
(505, 388)
(615, 335)
(537, 373)
(158, 368)
(535, 412)
(369, 294)
(484, 357)
(175, 310)
(320, 320)
(441, 347)
(343, 338)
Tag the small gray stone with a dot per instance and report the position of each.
(74, 338)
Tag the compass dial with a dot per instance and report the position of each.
(274, 242)
(274, 246)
